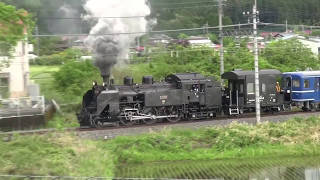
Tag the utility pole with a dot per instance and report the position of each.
(286, 25)
(38, 40)
(256, 62)
(207, 29)
(221, 42)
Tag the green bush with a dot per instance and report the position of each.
(75, 78)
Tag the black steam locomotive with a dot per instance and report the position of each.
(180, 96)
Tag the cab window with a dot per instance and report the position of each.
(296, 83)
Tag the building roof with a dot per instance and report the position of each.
(197, 38)
(274, 34)
(160, 37)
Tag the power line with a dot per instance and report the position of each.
(102, 17)
(191, 7)
(128, 33)
(127, 17)
(162, 4)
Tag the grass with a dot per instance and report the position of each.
(65, 154)
(39, 72)
(63, 120)
(57, 154)
(297, 137)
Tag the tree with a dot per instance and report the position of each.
(13, 25)
(290, 55)
(75, 78)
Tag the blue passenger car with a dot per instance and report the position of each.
(302, 88)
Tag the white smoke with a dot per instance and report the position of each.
(110, 49)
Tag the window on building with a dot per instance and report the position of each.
(250, 89)
(306, 83)
(4, 87)
(296, 83)
(263, 88)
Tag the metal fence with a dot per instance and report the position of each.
(20, 107)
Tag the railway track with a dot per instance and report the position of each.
(136, 128)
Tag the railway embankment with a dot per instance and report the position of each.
(65, 153)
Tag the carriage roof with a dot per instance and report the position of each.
(304, 73)
(239, 74)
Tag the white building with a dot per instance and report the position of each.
(14, 78)
(313, 44)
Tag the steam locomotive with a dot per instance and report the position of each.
(179, 96)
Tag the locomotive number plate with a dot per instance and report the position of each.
(163, 97)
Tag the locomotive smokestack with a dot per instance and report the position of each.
(105, 74)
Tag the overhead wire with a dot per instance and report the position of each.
(128, 33)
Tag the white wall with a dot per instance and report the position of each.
(312, 44)
(19, 70)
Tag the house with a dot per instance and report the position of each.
(269, 35)
(14, 79)
(156, 39)
(261, 45)
(199, 41)
(14, 70)
(313, 44)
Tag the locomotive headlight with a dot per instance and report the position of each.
(93, 83)
(103, 84)
(288, 91)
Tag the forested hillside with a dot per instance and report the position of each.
(173, 14)
(195, 13)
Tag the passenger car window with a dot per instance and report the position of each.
(263, 87)
(250, 88)
(306, 83)
(296, 83)
(241, 88)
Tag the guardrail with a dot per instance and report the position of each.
(20, 107)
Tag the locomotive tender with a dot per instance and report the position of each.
(180, 96)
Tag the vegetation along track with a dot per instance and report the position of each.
(110, 132)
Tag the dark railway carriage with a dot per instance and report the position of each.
(240, 92)
(189, 96)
